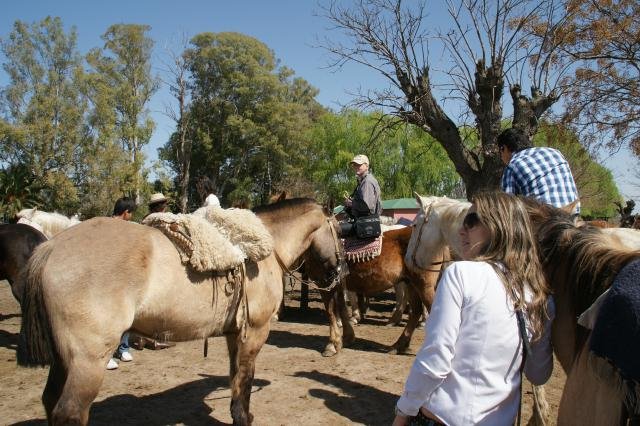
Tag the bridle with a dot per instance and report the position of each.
(419, 238)
(334, 277)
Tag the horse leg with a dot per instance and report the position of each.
(335, 334)
(242, 361)
(53, 389)
(84, 378)
(402, 344)
(401, 303)
(356, 317)
(348, 335)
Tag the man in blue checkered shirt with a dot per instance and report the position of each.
(541, 173)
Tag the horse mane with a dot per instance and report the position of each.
(582, 260)
(51, 223)
(291, 204)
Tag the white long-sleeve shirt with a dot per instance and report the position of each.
(468, 369)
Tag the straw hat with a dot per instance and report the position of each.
(157, 198)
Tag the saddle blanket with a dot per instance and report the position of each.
(616, 333)
(215, 239)
(361, 250)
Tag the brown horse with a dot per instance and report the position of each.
(375, 276)
(17, 242)
(580, 264)
(104, 276)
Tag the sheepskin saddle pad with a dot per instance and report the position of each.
(616, 335)
(361, 250)
(215, 239)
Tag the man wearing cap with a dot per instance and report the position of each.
(158, 203)
(365, 199)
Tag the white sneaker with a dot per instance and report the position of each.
(126, 357)
(112, 364)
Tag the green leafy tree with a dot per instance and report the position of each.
(18, 190)
(44, 109)
(247, 119)
(124, 86)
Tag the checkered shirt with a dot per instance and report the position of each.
(542, 173)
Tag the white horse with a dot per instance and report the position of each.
(47, 223)
(628, 236)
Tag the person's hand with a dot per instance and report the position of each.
(348, 202)
(400, 420)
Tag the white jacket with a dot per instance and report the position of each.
(468, 369)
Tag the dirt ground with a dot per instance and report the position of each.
(294, 384)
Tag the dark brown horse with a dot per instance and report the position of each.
(17, 242)
(83, 291)
(375, 276)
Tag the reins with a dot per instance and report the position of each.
(413, 255)
(335, 276)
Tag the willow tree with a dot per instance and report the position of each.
(486, 50)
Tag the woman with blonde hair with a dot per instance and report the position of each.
(487, 309)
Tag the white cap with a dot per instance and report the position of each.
(360, 159)
(212, 201)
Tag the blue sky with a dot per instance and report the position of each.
(291, 28)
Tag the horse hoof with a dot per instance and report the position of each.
(393, 351)
(353, 321)
(330, 350)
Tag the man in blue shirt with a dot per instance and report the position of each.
(539, 172)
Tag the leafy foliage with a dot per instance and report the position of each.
(603, 101)
(246, 119)
(403, 159)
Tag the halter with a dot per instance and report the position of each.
(413, 255)
(334, 277)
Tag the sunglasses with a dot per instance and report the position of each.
(471, 220)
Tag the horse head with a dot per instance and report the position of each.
(435, 227)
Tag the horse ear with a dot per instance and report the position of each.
(571, 207)
(282, 197)
(418, 198)
(329, 206)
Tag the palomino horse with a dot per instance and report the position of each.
(17, 242)
(580, 264)
(375, 276)
(104, 276)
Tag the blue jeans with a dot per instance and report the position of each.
(124, 344)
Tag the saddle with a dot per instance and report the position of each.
(215, 239)
(361, 250)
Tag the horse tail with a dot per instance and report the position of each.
(35, 345)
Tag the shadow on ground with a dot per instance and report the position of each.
(183, 404)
